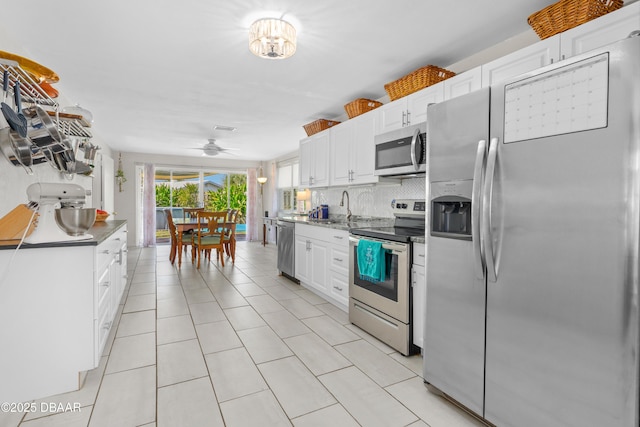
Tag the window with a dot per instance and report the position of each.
(287, 183)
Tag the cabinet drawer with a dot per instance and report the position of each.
(339, 287)
(104, 327)
(339, 260)
(326, 234)
(419, 254)
(104, 283)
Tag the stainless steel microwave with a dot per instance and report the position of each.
(402, 151)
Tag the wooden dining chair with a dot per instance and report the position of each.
(210, 234)
(230, 240)
(191, 212)
(176, 244)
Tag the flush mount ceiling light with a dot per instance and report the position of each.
(272, 38)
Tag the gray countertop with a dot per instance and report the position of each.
(100, 232)
(340, 222)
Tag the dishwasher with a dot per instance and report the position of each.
(286, 237)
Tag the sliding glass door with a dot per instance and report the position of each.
(215, 191)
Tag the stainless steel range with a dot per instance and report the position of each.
(381, 305)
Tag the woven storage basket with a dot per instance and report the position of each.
(318, 126)
(360, 106)
(566, 14)
(419, 79)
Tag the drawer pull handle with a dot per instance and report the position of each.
(106, 284)
(338, 259)
(338, 237)
(106, 251)
(338, 288)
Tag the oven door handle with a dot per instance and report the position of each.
(396, 248)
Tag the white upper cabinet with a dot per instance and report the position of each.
(606, 29)
(463, 83)
(524, 60)
(409, 110)
(590, 35)
(352, 151)
(314, 160)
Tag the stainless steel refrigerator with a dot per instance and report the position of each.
(533, 245)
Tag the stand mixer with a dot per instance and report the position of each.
(47, 196)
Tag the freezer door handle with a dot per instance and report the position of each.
(487, 198)
(476, 200)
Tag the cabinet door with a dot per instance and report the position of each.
(599, 32)
(341, 147)
(319, 160)
(301, 258)
(463, 83)
(318, 263)
(522, 61)
(363, 149)
(391, 116)
(418, 102)
(304, 168)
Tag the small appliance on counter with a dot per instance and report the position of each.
(67, 223)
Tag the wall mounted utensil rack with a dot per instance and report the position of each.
(32, 93)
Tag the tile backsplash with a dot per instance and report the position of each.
(374, 201)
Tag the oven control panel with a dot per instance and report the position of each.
(408, 207)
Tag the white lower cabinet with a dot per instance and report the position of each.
(111, 273)
(57, 305)
(322, 262)
(419, 290)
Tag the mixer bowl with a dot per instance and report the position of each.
(75, 221)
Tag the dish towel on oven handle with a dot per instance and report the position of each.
(371, 261)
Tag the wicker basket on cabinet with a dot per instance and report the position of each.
(566, 14)
(416, 80)
(360, 106)
(318, 126)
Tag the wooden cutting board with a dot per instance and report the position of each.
(13, 224)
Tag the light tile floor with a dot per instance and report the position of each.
(240, 346)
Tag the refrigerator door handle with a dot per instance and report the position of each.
(476, 203)
(487, 198)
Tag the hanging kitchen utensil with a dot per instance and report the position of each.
(23, 120)
(41, 129)
(9, 114)
(16, 149)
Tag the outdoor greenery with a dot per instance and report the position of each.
(217, 200)
(187, 196)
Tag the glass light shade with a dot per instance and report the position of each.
(272, 38)
(262, 179)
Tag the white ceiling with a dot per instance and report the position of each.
(159, 74)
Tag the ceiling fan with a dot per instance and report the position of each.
(213, 149)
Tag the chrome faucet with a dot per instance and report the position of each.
(342, 204)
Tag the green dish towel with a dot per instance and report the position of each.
(371, 261)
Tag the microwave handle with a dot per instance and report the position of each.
(414, 142)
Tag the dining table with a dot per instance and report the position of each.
(186, 224)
